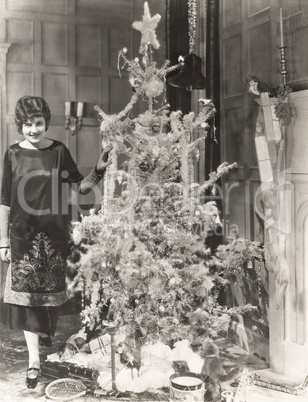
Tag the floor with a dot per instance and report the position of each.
(13, 366)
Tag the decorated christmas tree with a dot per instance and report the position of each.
(143, 257)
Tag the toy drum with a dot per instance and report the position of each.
(186, 387)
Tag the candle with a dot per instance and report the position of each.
(80, 109)
(281, 29)
(67, 108)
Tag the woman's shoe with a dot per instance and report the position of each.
(45, 341)
(32, 382)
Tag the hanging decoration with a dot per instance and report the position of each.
(190, 75)
(192, 17)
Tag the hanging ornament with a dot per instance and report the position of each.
(143, 237)
(259, 281)
(155, 127)
(144, 166)
(172, 281)
(192, 17)
(177, 260)
(161, 309)
(190, 75)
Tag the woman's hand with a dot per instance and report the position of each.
(103, 160)
(5, 254)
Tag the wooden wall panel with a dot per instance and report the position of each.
(232, 12)
(298, 58)
(57, 132)
(89, 139)
(253, 113)
(120, 93)
(20, 33)
(40, 6)
(19, 83)
(232, 65)
(88, 46)
(235, 138)
(256, 205)
(290, 7)
(55, 89)
(105, 9)
(260, 55)
(89, 88)
(55, 44)
(234, 212)
(88, 150)
(12, 134)
(257, 6)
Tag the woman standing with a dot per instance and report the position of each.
(34, 224)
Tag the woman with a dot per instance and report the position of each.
(34, 224)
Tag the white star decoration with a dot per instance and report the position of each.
(147, 28)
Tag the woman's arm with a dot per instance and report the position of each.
(4, 233)
(97, 173)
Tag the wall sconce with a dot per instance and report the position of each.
(73, 117)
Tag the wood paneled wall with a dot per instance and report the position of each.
(250, 36)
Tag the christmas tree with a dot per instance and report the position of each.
(143, 259)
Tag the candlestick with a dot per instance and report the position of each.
(283, 62)
(281, 29)
(67, 108)
(80, 106)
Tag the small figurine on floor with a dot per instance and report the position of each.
(212, 365)
(256, 87)
(130, 349)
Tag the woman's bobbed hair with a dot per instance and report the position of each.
(29, 107)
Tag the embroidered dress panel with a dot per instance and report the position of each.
(36, 187)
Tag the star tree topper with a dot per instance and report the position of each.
(147, 28)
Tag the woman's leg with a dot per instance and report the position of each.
(32, 340)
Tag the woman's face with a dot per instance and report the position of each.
(34, 130)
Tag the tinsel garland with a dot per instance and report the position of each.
(192, 14)
(109, 180)
(184, 162)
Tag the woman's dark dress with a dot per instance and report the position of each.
(35, 187)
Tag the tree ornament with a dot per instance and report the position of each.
(177, 260)
(147, 28)
(172, 281)
(155, 127)
(144, 166)
(249, 264)
(190, 75)
(143, 237)
(161, 309)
